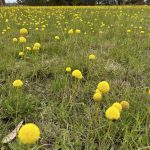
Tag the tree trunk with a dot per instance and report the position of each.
(140, 2)
(2, 2)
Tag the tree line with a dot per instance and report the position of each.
(76, 2)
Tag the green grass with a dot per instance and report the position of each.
(65, 113)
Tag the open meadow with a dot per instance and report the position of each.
(79, 75)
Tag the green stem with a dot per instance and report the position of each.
(17, 100)
(28, 147)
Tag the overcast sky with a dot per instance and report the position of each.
(10, 1)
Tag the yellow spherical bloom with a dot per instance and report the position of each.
(35, 48)
(6, 20)
(129, 31)
(36, 29)
(28, 48)
(22, 39)
(70, 31)
(29, 133)
(103, 87)
(118, 106)
(98, 91)
(23, 31)
(92, 57)
(57, 37)
(43, 26)
(97, 97)
(77, 31)
(17, 83)
(15, 40)
(112, 113)
(124, 104)
(142, 32)
(21, 54)
(68, 69)
(8, 28)
(148, 91)
(77, 74)
(38, 45)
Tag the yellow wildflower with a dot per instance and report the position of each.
(17, 83)
(22, 39)
(118, 106)
(29, 133)
(124, 104)
(112, 113)
(23, 31)
(103, 87)
(68, 69)
(97, 97)
(92, 57)
(77, 74)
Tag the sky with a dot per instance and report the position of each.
(10, 1)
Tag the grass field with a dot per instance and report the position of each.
(60, 105)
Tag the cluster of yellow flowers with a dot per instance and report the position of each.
(28, 133)
(77, 74)
(77, 31)
(22, 39)
(114, 112)
(103, 87)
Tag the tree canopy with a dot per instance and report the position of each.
(75, 2)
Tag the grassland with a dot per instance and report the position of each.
(62, 107)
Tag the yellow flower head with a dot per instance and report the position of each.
(149, 91)
(8, 28)
(15, 40)
(23, 31)
(118, 106)
(77, 31)
(38, 45)
(57, 37)
(28, 48)
(35, 48)
(22, 39)
(112, 113)
(77, 74)
(68, 69)
(124, 104)
(128, 31)
(29, 133)
(36, 29)
(98, 91)
(43, 26)
(142, 32)
(103, 87)
(21, 54)
(17, 83)
(92, 57)
(70, 31)
(97, 97)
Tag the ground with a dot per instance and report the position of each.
(60, 105)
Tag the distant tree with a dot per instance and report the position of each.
(79, 2)
(2, 2)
